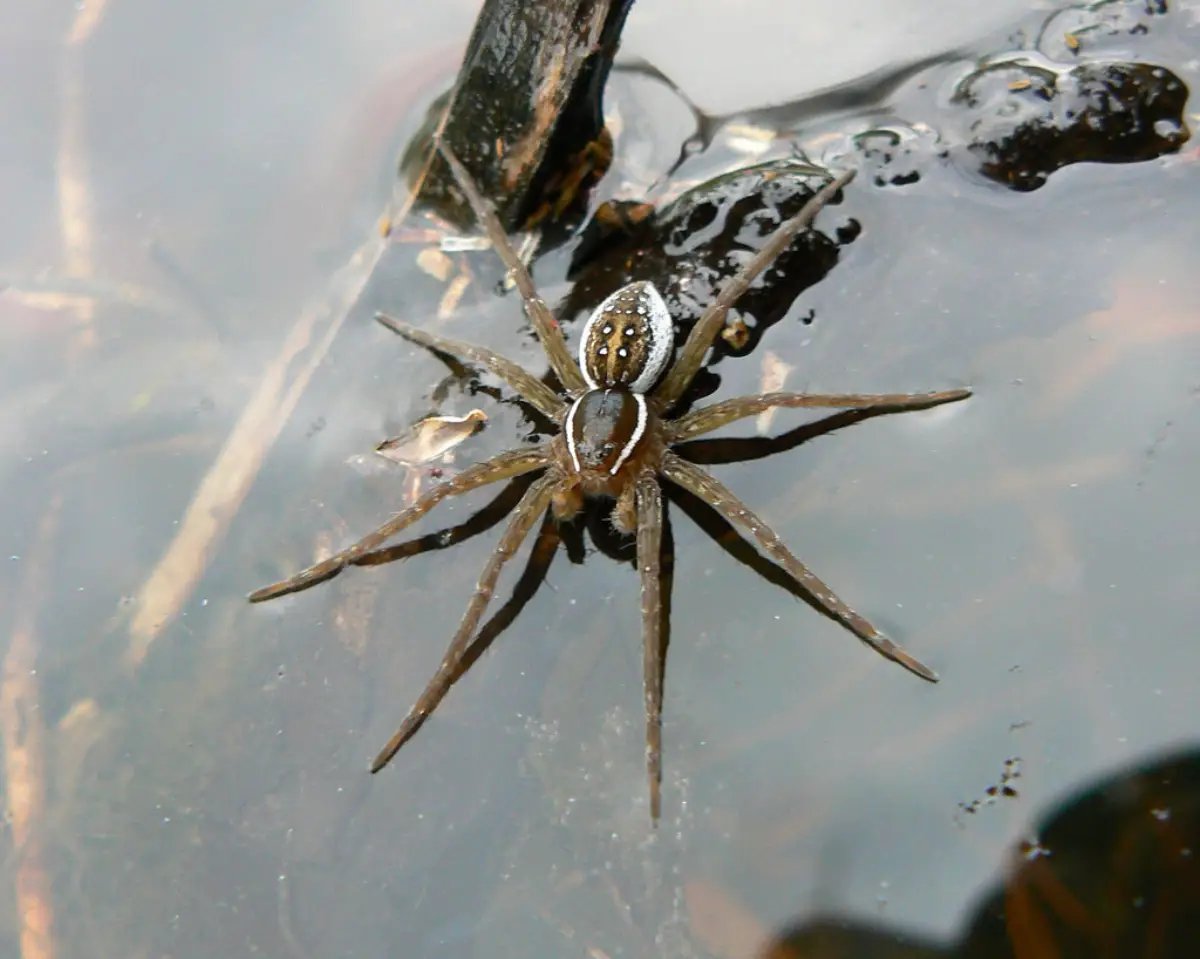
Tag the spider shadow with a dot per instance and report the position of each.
(469, 379)
(712, 452)
(537, 565)
(596, 523)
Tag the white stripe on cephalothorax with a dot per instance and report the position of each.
(569, 432)
(638, 430)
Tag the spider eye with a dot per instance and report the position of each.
(628, 340)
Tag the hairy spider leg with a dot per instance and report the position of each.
(504, 466)
(491, 514)
(535, 502)
(712, 319)
(709, 418)
(549, 333)
(545, 548)
(649, 560)
(709, 489)
(537, 566)
(530, 388)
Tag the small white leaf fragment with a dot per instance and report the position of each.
(434, 262)
(450, 298)
(430, 438)
(774, 374)
(464, 244)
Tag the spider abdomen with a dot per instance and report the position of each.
(603, 428)
(628, 339)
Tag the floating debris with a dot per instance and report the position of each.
(430, 438)
(1004, 788)
(775, 372)
(433, 261)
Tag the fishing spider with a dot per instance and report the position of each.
(615, 441)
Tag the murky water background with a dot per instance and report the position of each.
(183, 186)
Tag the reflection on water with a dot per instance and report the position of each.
(192, 780)
(1111, 871)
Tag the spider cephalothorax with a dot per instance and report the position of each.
(615, 440)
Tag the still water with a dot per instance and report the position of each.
(189, 384)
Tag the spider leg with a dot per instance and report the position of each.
(487, 516)
(649, 560)
(709, 418)
(700, 483)
(529, 386)
(733, 542)
(503, 466)
(716, 527)
(532, 505)
(544, 324)
(713, 318)
(545, 548)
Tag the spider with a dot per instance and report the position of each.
(615, 440)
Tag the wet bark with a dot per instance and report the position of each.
(526, 110)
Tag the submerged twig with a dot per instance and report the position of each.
(23, 733)
(74, 175)
(224, 486)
